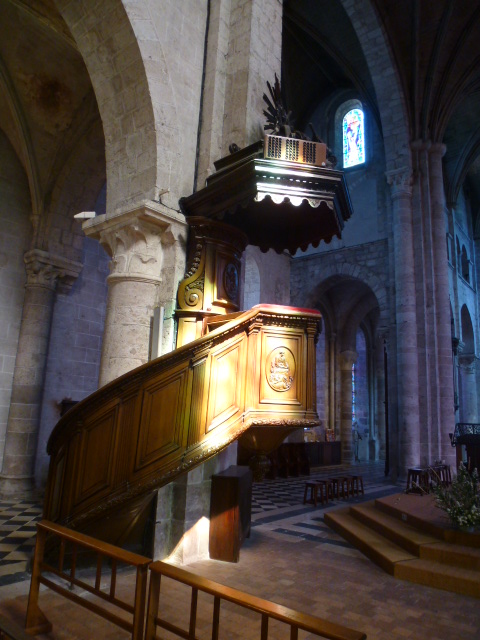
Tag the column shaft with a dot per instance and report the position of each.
(405, 313)
(442, 380)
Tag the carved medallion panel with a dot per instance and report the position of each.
(280, 369)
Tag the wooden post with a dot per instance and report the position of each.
(36, 621)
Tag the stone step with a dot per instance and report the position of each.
(452, 554)
(404, 535)
(395, 546)
(440, 576)
(375, 546)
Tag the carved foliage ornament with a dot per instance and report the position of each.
(136, 249)
(46, 270)
(230, 281)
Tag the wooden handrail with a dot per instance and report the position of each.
(36, 621)
(295, 619)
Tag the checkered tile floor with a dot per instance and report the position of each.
(277, 508)
(17, 538)
(270, 495)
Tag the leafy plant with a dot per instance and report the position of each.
(461, 500)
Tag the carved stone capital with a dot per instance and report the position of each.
(400, 181)
(347, 359)
(135, 240)
(50, 271)
(467, 362)
(438, 149)
(420, 145)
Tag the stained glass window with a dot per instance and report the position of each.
(353, 138)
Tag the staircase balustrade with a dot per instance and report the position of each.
(267, 610)
(36, 621)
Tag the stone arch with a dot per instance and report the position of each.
(76, 189)
(141, 94)
(356, 272)
(352, 298)
(390, 98)
(354, 321)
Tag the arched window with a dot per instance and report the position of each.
(353, 138)
(465, 265)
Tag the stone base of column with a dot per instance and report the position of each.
(17, 487)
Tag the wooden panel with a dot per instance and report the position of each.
(230, 512)
(226, 383)
(97, 455)
(163, 413)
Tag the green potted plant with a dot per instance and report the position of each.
(461, 500)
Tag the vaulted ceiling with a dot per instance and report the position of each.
(47, 104)
(435, 51)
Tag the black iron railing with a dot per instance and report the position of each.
(466, 433)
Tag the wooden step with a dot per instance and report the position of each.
(375, 546)
(404, 535)
(440, 576)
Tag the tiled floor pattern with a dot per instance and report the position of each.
(293, 559)
(17, 538)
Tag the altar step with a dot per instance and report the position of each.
(406, 551)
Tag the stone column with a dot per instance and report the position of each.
(379, 365)
(468, 386)
(44, 273)
(139, 241)
(331, 421)
(443, 330)
(346, 360)
(408, 420)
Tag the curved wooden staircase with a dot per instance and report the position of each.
(406, 537)
(248, 371)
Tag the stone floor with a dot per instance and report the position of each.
(293, 559)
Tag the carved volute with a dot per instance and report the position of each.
(211, 283)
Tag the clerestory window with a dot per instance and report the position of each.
(353, 138)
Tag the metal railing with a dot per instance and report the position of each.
(267, 610)
(36, 621)
(466, 433)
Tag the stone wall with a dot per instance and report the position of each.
(15, 209)
(75, 344)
